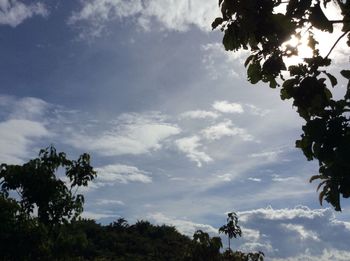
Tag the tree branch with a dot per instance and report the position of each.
(336, 42)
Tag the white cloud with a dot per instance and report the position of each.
(180, 14)
(220, 64)
(99, 12)
(133, 134)
(29, 108)
(227, 177)
(223, 129)
(118, 173)
(267, 155)
(170, 14)
(303, 233)
(13, 12)
(185, 227)
(189, 146)
(199, 114)
(254, 179)
(256, 110)
(289, 234)
(326, 255)
(109, 202)
(226, 107)
(278, 178)
(15, 138)
(96, 216)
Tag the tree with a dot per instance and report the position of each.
(231, 229)
(259, 26)
(204, 247)
(38, 186)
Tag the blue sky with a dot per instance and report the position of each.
(175, 131)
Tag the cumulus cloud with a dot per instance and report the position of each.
(13, 12)
(199, 114)
(326, 255)
(16, 136)
(118, 173)
(190, 146)
(289, 234)
(223, 129)
(170, 14)
(22, 125)
(226, 107)
(132, 134)
(185, 227)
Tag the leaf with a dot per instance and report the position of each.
(254, 72)
(217, 22)
(328, 93)
(321, 184)
(315, 177)
(229, 40)
(331, 78)
(345, 74)
(248, 60)
(321, 196)
(319, 20)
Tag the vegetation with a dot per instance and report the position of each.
(40, 220)
(231, 229)
(263, 28)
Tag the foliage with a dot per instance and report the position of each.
(203, 247)
(231, 229)
(58, 233)
(38, 186)
(260, 27)
(241, 256)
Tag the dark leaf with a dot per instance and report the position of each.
(217, 22)
(331, 78)
(319, 20)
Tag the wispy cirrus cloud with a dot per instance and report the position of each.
(13, 12)
(119, 173)
(199, 114)
(191, 147)
(132, 134)
(146, 14)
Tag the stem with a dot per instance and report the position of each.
(336, 42)
(338, 21)
(229, 244)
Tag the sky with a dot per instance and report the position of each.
(175, 131)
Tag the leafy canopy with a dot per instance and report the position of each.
(259, 26)
(38, 186)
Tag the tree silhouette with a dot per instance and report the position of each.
(231, 228)
(38, 186)
(262, 28)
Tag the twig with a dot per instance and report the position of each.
(336, 42)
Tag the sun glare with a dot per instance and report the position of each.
(300, 45)
(326, 40)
